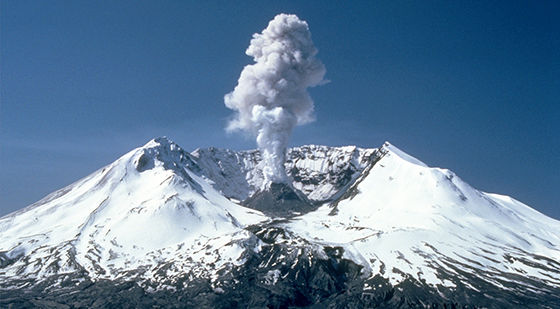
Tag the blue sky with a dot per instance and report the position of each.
(473, 87)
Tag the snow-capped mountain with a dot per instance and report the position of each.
(130, 213)
(370, 227)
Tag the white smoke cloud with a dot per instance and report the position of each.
(271, 95)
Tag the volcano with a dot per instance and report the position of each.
(354, 228)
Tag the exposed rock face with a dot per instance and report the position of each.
(356, 228)
(321, 173)
(279, 200)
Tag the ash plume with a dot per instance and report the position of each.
(271, 96)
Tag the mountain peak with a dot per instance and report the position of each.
(372, 227)
(390, 148)
(162, 142)
(162, 151)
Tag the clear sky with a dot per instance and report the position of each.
(466, 85)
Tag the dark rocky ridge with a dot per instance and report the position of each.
(279, 200)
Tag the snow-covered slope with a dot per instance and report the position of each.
(384, 230)
(148, 206)
(406, 220)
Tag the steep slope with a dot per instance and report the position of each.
(408, 222)
(133, 213)
(279, 200)
(321, 173)
(162, 227)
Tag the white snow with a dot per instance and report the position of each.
(159, 205)
(408, 215)
(118, 217)
(396, 151)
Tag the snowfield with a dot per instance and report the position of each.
(158, 213)
(408, 216)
